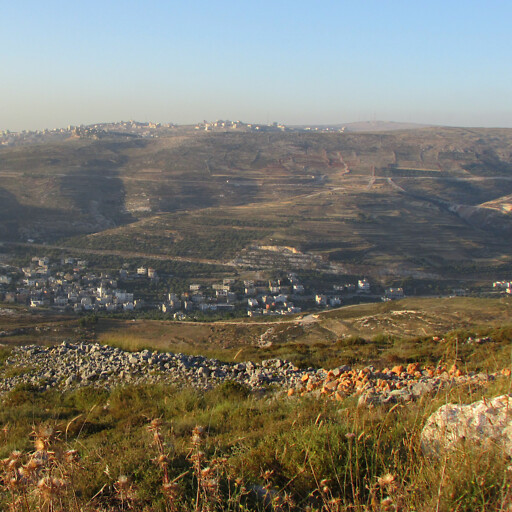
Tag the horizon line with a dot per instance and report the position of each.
(253, 123)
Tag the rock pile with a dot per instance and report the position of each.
(69, 366)
(398, 384)
(485, 421)
(74, 365)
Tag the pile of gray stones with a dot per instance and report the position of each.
(74, 365)
(70, 366)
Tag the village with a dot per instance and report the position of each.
(68, 284)
(503, 286)
(146, 130)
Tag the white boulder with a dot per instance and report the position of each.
(479, 423)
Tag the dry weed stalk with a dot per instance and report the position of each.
(125, 493)
(207, 474)
(208, 495)
(39, 480)
(170, 488)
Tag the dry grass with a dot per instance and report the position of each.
(381, 334)
(141, 449)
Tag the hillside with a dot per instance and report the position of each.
(425, 203)
(377, 333)
(88, 426)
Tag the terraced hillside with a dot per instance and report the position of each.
(426, 203)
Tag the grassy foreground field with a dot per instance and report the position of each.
(159, 448)
(306, 454)
(302, 453)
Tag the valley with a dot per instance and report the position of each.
(430, 201)
(305, 304)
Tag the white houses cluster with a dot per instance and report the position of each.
(67, 285)
(505, 286)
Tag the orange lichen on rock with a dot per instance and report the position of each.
(397, 370)
(413, 368)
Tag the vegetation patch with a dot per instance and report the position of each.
(154, 448)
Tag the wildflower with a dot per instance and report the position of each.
(71, 456)
(288, 500)
(267, 475)
(123, 482)
(31, 467)
(277, 502)
(15, 455)
(58, 483)
(124, 489)
(386, 480)
(324, 486)
(206, 472)
(49, 488)
(219, 461)
(39, 444)
(386, 504)
(155, 428)
(44, 436)
(162, 460)
(171, 489)
(197, 457)
(210, 485)
(155, 424)
(197, 435)
(14, 482)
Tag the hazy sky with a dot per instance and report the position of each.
(293, 61)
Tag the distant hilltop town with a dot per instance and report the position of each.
(146, 130)
(239, 125)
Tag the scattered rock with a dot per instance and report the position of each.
(203, 372)
(369, 399)
(70, 366)
(422, 388)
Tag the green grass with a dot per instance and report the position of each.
(307, 450)
(4, 354)
(311, 452)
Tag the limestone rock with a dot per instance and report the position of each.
(367, 399)
(485, 421)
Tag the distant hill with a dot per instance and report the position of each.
(364, 126)
(381, 126)
(404, 204)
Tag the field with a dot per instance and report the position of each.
(427, 209)
(379, 333)
(158, 448)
